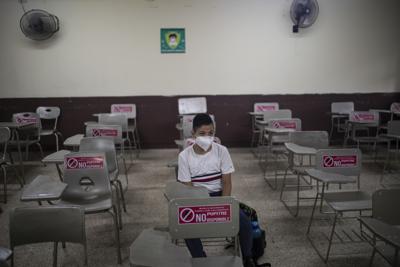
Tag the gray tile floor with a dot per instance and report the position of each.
(287, 242)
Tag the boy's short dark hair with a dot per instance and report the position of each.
(200, 120)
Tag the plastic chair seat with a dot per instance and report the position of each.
(5, 254)
(154, 248)
(387, 232)
(47, 132)
(348, 201)
(89, 205)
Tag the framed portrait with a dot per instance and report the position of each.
(173, 40)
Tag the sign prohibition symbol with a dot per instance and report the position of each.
(276, 124)
(186, 215)
(96, 132)
(328, 161)
(72, 163)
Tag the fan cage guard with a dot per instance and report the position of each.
(315, 13)
(51, 26)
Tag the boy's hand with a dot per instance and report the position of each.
(226, 184)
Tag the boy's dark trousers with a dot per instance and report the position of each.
(245, 236)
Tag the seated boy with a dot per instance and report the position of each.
(208, 164)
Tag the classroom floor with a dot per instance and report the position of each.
(147, 207)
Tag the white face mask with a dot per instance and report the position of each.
(204, 142)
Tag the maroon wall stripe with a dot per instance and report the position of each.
(157, 115)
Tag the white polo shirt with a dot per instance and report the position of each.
(205, 170)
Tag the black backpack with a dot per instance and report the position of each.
(259, 242)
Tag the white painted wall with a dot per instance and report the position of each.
(112, 48)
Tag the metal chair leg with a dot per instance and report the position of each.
(56, 136)
(396, 258)
(5, 183)
(114, 215)
(122, 194)
(118, 204)
(371, 259)
(55, 254)
(86, 254)
(41, 151)
(312, 213)
(297, 196)
(283, 184)
(331, 237)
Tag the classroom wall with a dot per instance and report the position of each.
(234, 47)
(157, 115)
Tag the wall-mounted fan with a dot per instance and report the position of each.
(303, 13)
(38, 24)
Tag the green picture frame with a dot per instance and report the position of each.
(173, 40)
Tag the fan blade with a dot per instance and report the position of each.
(299, 11)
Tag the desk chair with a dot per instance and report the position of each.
(260, 108)
(30, 135)
(118, 119)
(362, 121)
(130, 111)
(47, 224)
(337, 166)
(50, 114)
(392, 153)
(261, 125)
(106, 145)
(384, 225)
(5, 136)
(115, 133)
(339, 115)
(86, 174)
(306, 140)
(276, 135)
(184, 225)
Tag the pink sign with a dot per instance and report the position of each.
(105, 132)
(122, 109)
(363, 117)
(339, 161)
(204, 214)
(23, 119)
(289, 124)
(84, 163)
(261, 108)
